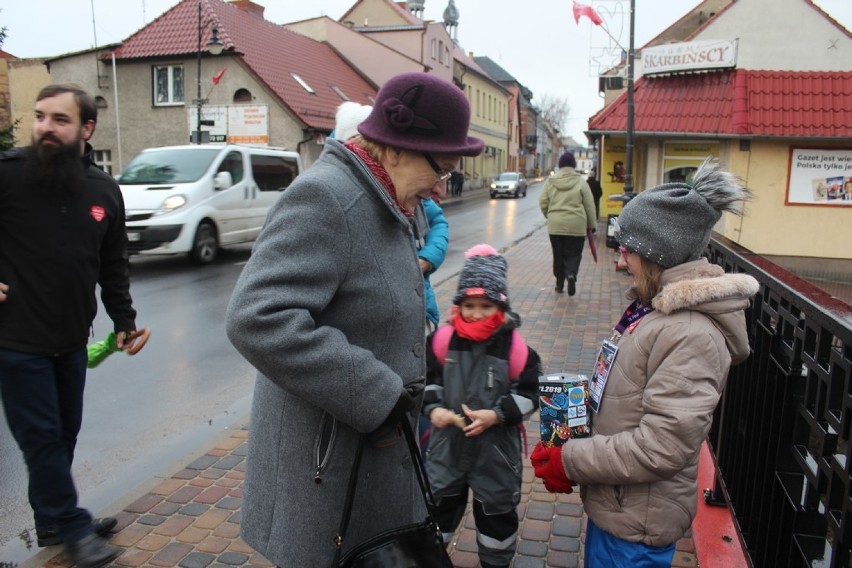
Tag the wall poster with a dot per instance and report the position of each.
(819, 177)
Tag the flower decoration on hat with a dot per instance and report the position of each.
(400, 115)
(397, 114)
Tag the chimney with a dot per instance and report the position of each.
(249, 6)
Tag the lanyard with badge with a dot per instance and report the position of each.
(609, 348)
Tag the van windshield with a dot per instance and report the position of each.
(168, 166)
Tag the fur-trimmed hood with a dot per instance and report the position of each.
(706, 288)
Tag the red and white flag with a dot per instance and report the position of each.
(581, 10)
(218, 76)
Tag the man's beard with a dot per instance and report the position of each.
(55, 168)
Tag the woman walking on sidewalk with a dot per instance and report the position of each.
(567, 202)
(668, 360)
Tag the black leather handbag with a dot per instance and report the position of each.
(418, 545)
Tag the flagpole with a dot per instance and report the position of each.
(628, 174)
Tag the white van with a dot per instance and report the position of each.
(194, 199)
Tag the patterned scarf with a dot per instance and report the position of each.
(379, 171)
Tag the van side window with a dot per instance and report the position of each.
(233, 163)
(273, 173)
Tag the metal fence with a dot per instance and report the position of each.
(782, 434)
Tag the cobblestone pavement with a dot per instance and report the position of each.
(191, 519)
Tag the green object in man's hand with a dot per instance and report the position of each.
(100, 350)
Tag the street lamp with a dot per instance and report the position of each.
(214, 46)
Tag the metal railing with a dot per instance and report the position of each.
(782, 431)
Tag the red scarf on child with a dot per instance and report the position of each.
(476, 330)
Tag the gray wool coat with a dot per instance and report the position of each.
(330, 310)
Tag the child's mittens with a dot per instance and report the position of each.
(547, 463)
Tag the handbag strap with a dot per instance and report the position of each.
(422, 479)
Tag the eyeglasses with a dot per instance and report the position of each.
(442, 175)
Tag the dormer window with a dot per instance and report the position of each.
(339, 93)
(304, 85)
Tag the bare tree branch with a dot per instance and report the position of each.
(555, 110)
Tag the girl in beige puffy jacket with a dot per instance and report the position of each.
(670, 356)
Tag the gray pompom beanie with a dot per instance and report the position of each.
(670, 224)
(483, 275)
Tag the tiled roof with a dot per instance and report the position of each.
(737, 103)
(463, 58)
(494, 70)
(269, 50)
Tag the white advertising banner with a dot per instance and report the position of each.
(248, 125)
(689, 56)
(820, 177)
(243, 124)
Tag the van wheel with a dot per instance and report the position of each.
(205, 245)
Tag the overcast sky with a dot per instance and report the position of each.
(536, 41)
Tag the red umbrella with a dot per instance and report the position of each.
(592, 246)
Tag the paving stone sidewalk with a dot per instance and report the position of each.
(191, 519)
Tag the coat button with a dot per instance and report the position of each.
(421, 288)
(418, 349)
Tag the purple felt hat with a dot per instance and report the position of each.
(422, 113)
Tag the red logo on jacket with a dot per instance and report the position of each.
(97, 212)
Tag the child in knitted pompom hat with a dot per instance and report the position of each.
(481, 384)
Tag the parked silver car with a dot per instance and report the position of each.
(509, 183)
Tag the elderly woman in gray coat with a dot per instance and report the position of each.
(330, 311)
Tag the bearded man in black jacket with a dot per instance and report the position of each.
(61, 233)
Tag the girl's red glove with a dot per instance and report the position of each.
(547, 463)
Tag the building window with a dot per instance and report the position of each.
(103, 158)
(339, 93)
(242, 96)
(304, 85)
(168, 85)
(447, 56)
(434, 48)
(441, 52)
